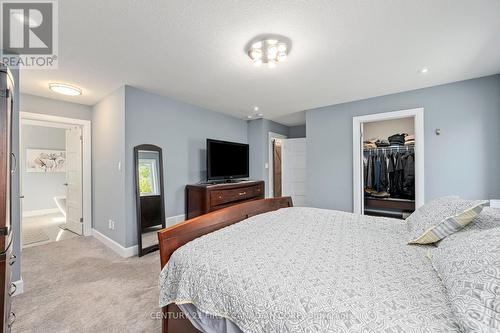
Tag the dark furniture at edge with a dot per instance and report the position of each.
(8, 163)
(205, 198)
(170, 239)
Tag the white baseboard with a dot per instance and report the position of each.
(495, 203)
(19, 287)
(131, 251)
(172, 220)
(124, 252)
(39, 212)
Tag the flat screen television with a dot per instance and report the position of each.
(227, 160)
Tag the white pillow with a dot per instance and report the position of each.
(442, 217)
(469, 266)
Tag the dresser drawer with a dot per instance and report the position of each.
(222, 197)
(205, 198)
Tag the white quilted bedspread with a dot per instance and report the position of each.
(310, 270)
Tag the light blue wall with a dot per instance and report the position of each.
(108, 151)
(463, 160)
(37, 104)
(39, 189)
(296, 132)
(258, 138)
(181, 131)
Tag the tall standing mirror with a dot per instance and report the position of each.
(149, 196)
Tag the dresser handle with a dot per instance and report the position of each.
(242, 193)
(13, 289)
(12, 259)
(13, 168)
(12, 317)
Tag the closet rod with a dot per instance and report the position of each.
(401, 148)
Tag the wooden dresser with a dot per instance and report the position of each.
(8, 163)
(205, 198)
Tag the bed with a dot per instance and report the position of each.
(265, 266)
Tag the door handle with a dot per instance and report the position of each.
(65, 184)
(21, 197)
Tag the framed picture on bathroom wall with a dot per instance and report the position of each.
(45, 160)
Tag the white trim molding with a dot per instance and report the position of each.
(172, 220)
(495, 203)
(357, 151)
(86, 151)
(124, 252)
(19, 285)
(127, 252)
(40, 212)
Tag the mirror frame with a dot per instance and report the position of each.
(148, 147)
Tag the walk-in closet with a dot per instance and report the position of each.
(388, 158)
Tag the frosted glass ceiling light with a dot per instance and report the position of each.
(269, 51)
(65, 89)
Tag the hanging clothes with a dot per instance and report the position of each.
(389, 173)
(377, 173)
(409, 176)
(370, 172)
(384, 177)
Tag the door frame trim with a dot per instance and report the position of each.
(357, 150)
(86, 156)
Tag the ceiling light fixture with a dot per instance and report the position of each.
(65, 89)
(270, 51)
(424, 70)
(255, 116)
(256, 108)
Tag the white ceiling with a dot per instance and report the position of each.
(343, 50)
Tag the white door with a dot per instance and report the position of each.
(74, 220)
(293, 170)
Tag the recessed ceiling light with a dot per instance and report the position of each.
(65, 89)
(249, 117)
(424, 70)
(260, 115)
(269, 51)
(256, 108)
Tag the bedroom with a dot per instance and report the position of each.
(299, 87)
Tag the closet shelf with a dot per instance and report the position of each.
(390, 203)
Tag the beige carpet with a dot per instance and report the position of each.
(41, 229)
(32, 235)
(79, 285)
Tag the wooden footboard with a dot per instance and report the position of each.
(172, 238)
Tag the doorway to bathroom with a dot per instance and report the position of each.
(55, 178)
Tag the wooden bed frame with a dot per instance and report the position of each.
(170, 239)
